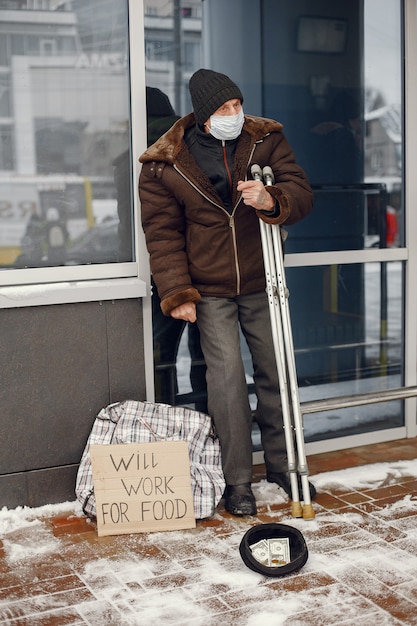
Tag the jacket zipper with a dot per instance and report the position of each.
(230, 216)
(226, 167)
(232, 226)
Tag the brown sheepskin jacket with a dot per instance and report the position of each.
(196, 247)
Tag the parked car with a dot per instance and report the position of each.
(98, 244)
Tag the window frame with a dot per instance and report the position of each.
(21, 287)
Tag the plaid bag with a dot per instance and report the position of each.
(132, 421)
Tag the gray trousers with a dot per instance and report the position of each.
(218, 320)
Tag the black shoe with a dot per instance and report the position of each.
(239, 499)
(283, 480)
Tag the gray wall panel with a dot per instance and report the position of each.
(60, 365)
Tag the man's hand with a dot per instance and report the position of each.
(186, 312)
(254, 194)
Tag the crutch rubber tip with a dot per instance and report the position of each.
(308, 512)
(296, 509)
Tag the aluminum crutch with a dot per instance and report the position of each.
(284, 353)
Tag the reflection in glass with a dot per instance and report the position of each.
(347, 341)
(383, 108)
(179, 363)
(355, 345)
(64, 103)
(345, 125)
(347, 217)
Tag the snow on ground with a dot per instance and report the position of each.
(207, 560)
(366, 476)
(354, 478)
(24, 516)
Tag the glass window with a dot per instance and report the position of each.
(159, 49)
(350, 217)
(191, 55)
(32, 44)
(333, 76)
(17, 45)
(5, 95)
(352, 342)
(4, 50)
(66, 189)
(346, 129)
(6, 154)
(48, 47)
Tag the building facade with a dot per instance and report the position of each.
(85, 85)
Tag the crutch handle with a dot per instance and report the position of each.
(256, 172)
(268, 175)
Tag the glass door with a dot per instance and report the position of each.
(343, 115)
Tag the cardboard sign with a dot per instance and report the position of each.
(142, 487)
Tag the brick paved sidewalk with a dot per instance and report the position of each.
(362, 565)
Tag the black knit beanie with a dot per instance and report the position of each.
(209, 90)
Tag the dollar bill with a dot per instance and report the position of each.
(260, 551)
(279, 551)
(272, 552)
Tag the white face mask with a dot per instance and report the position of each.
(227, 126)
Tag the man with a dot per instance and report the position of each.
(200, 214)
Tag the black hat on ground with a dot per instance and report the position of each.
(298, 552)
(209, 90)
